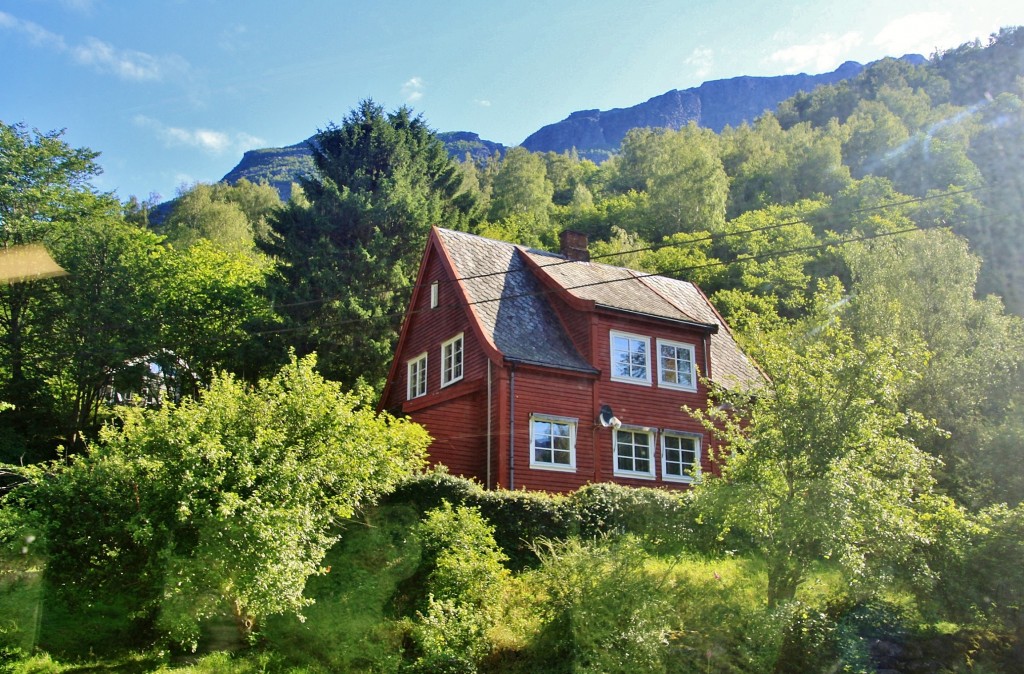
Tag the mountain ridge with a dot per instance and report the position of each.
(593, 133)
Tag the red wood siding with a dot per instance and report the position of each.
(651, 406)
(559, 394)
(428, 329)
(577, 325)
(459, 427)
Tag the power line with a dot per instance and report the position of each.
(632, 277)
(679, 244)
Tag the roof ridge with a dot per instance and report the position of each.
(642, 278)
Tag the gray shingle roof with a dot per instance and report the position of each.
(524, 326)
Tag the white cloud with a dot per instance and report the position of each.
(128, 64)
(920, 33)
(701, 60)
(208, 140)
(412, 90)
(820, 56)
(36, 34)
(482, 102)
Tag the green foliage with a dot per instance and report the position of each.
(348, 254)
(521, 187)
(226, 504)
(920, 289)
(465, 578)
(683, 175)
(820, 463)
(212, 302)
(232, 217)
(44, 187)
(602, 609)
(654, 516)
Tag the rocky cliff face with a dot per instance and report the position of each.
(593, 133)
(713, 105)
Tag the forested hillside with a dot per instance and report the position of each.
(190, 442)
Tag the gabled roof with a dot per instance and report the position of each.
(508, 288)
(509, 301)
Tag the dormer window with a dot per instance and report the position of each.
(676, 365)
(630, 358)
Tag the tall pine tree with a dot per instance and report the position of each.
(349, 252)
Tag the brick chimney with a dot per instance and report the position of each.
(574, 245)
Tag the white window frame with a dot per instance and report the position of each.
(553, 465)
(662, 382)
(645, 340)
(416, 376)
(634, 430)
(452, 370)
(434, 294)
(687, 476)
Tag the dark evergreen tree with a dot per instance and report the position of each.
(348, 253)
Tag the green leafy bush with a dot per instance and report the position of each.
(603, 610)
(658, 517)
(465, 578)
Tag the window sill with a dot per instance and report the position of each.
(552, 467)
(634, 476)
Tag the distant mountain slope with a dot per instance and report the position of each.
(279, 166)
(593, 133)
(714, 105)
(282, 166)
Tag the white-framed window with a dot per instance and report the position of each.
(634, 452)
(451, 360)
(676, 365)
(552, 442)
(680, 456)
(630, 358)
(434, 294)
(417, 376)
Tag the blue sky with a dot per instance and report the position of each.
(173, 91)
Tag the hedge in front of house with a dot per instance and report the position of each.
(520, 518)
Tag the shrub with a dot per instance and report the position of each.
(520, 518)
(427, 491)
(465, 579)
(656, 516)
(603, 610)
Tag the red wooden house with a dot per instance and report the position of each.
(542, 371)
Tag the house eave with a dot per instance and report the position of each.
(709, 328)
(589, 371)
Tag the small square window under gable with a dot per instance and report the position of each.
(451, 360)
(630, 358)
(676, 365)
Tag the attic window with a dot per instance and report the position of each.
(433, 295)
